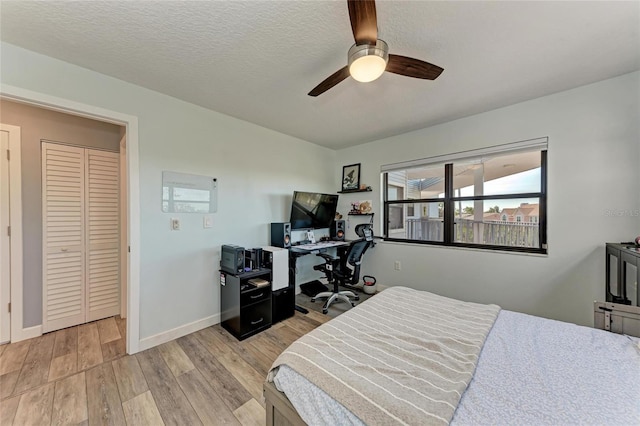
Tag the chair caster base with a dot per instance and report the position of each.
(353, 304)
(313, 299)
(356, 298)
(325, 311)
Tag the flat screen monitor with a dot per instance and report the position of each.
(311, 210)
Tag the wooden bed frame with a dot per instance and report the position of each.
(279, 410)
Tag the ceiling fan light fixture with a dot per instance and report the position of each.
(368, 62)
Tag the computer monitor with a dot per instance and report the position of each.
(312, 210)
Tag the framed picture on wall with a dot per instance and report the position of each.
(351, 177)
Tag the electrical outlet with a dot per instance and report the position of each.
(175, 224)
(207, 222)
(397, 265)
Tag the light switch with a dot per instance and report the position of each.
(207, 221)
(175, 223)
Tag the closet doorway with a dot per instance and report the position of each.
(81, 211)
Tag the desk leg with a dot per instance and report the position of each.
(292, 280)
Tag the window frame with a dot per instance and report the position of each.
(449, 201)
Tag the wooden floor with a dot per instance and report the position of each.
(81, 375)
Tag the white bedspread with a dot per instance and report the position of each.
(531, 371)
(402, 357)
(536, 371)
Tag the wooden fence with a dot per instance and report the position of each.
(511, 234)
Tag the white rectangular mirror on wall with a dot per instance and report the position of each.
(187, 193)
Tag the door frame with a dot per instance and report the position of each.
(130, 123)
(124, 248)
(15, 221)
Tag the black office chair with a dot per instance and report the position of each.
(344, 269)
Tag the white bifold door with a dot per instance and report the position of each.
(81, 248)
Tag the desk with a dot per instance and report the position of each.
(317, 247)
(298, 251)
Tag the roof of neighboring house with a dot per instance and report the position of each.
(535, 210)
(525, 209)
(492, 216)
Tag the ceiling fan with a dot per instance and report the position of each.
(369, 57)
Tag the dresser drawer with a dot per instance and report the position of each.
(254, 296)
(255, 317)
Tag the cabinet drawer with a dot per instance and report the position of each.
(255, 295)
(256, 316)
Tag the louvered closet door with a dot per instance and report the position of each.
(63, 174)
(103, 234)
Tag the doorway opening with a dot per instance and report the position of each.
(130, 297)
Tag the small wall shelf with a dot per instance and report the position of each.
(349, 191)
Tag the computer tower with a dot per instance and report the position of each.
(283, 297)
(277, 259)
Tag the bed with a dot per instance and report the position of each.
(412, 357)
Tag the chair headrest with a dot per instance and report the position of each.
(364, 230)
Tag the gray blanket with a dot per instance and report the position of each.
(402, 357)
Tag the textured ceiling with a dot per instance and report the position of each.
(258, 60)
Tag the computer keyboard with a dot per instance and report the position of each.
(320, 245)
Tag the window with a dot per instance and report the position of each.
(493, 198)
(411, 210)
(396, 212)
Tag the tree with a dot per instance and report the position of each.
(468, 210)
(494, 209)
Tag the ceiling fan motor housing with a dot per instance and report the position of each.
(367, 62)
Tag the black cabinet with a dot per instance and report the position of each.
(284, 303)
(244, 308)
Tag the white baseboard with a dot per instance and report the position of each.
(27, 333)
(183, 330)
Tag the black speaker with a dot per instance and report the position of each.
(337, 230)
(281, 234)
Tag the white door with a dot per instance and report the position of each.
(63, 236)
(5, 247)
(102, 191)
(10, 241)
(81, 251)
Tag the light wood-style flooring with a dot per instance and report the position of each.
(81, 375)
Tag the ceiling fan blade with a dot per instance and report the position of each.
(331, 81)
(413, 67)
(364, 23)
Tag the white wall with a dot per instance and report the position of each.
(593, 198)
(256, 169)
